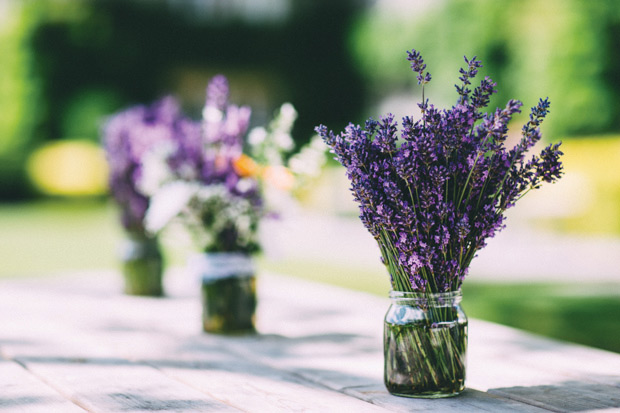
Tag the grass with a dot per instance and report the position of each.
(47, 237)
(50, 236)
(578, 312)
(43, 238)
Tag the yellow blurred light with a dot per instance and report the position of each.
(69, 168)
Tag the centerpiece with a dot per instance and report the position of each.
(206, 182)
(215, 182)
(431, 195)
(127, 136)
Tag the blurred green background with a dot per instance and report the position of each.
(66, 65)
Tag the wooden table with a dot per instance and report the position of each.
(74, 344)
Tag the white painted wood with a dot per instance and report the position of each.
(112, 385)
(570, 396)
(20, 391)
(80, 342)
(470, 401)
(253, 387)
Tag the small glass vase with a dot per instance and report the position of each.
(142, 265)
(228, 292)
(425, 344)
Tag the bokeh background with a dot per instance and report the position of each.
(66, 65)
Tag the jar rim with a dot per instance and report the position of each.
(409, 297)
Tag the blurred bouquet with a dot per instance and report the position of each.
(204, 178)
(216, 183)
(166, 167)
(127, 137)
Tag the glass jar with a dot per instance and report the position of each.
(228, 292)
(425, 344)
(142, 265)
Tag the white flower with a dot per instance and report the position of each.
(243, 223)
(288, 115)
(211, 114)
(257, 136)
(284, 141)
(244, 185)
(155, 169)
(310, 159)
(168, 203)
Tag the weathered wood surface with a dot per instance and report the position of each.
(75, 343)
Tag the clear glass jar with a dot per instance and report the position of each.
(228, 292)
(142, 265)
(425, 344)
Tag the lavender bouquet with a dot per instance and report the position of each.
(204, 179)
(127, 137)
(431, 195)
(220, 184)
(217, 184)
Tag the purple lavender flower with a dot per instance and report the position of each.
(218, 201)
(432, 201)
(127, 137)
(163, 166)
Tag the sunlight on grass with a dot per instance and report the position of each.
(48, 237)
(592, 163)
(41, 238)
(583, 313)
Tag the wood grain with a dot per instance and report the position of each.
(76, 343)
(20, 391)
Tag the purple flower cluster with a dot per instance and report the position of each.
(127, 137)
(224, 127)
(204, 153)
(433, 193)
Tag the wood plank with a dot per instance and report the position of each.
(20, 391)
(252, 387)
(133, 337)
(356, 370)
(318, 347)
(335, 361)
(572, 396)
(112, 385)
(470, 401)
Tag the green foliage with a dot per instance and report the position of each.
(138, 51)
(85, 111)
(66, 64)
(564, 49)
(18, 97)
(577, 312)
(22, 97)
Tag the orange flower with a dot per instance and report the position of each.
(279, 176)
(245, 166)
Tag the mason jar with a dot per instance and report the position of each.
(142, 265)
(228, 291)
(425, 344)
